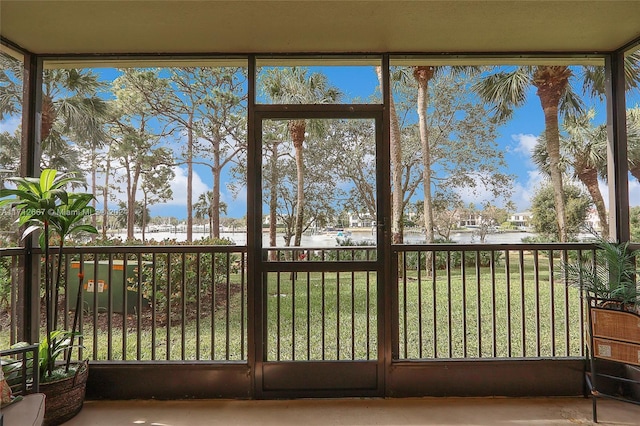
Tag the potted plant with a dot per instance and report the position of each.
(45, 205)
(612, 280)
(613, 294)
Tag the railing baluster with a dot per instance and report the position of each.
(353, 310)
(110, 308)
(81, 315)
(368, 311)
(419, 283)
(324, 310)
(405, 304)
(124, 306)
(434, 290)
(463, 276)
(449, 313)
(243, 301)
(523, 329)
(227, 308)
(308, 259)
(96, 306)
(565, 259)
(338, 313)
(494, 317)
(13, 330)
(278, 317)
(139, 308)
(168, 308)
(154, 290)
(479, 301)
(536, 280)
(552, 305)
(507, 272)
(213, 307)
(199, 301)
(183, 306)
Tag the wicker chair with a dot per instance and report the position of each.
(23, 380)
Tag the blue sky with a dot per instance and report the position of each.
(517, 138)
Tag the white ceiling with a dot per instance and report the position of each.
(317, 26)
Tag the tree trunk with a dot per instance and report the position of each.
(552, 82)
(190, 179)
(131, 202)
(589, 176)
(422, 76)
(211, 220)
(396, 169)
(94, 187)
(105, 199)
(635, 171)
(297, 129)
(215, 199)
(144, 218)
(49, 115)
(273, 200)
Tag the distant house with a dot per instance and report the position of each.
(361, 220)
(521, 220)
(592, 221)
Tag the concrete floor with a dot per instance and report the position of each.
(410, 411)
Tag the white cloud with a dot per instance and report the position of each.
(11, 124)
(525, 143)
(478, 194)
(634, 192)
(237, 207)
(523, 194)
(179, 187)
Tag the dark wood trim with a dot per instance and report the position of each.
(387, 292)
(617, 163)
(440, 56)
(30, 166)
(127, 380)
(629, 46)
(495, 377)
(254, 234)
(471, 378)
(310, 376)
(14, 46)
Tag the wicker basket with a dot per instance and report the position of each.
(617, 325)
(65, 397)
(627, 353)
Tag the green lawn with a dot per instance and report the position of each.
(334, 316)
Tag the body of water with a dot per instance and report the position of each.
(330, 239)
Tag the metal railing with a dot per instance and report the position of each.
(189, 303)
(470, 301)
(10, 260)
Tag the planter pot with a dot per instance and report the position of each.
(65, 397)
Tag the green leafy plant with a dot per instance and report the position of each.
(612, 277)
(45, 205)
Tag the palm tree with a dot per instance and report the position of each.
(395, 146)
(296, 86)
(423, 75)
(633, 141)
(583, 150)
(506, 90)
(70, 106)
(204, 207)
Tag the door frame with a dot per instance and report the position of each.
(283, 379)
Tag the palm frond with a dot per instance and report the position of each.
(504, 91)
